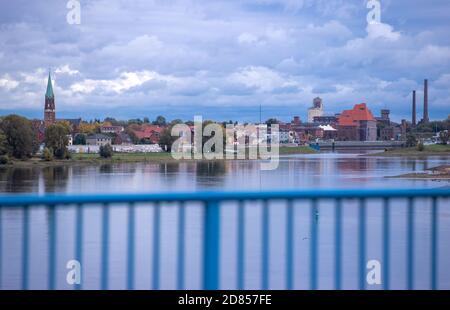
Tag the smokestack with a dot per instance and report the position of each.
(414, 109)
(426, 119)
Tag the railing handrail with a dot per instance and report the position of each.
(62, 199)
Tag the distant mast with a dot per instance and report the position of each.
(49, 111)
(414, 123)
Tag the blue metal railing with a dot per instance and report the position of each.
(212, 232)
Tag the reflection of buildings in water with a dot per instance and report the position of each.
(355, 164)
(211, 173)
(169, 168)
(54, 179)
(106, 169)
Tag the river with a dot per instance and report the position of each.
(318, 171)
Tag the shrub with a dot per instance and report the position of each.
(420, 147)
(106, 151)
(4, 160)
(47, 154)
(411, 140)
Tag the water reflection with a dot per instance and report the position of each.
(294, 172)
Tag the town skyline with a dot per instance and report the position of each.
(223, 59)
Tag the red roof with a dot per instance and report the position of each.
(360, 112)
(150, 132)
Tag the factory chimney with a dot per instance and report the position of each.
(426, 118)
(414, 109)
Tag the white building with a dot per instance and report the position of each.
(315, 110)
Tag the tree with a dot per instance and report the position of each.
(160, 121)
(3, 143)
(19, 136)
(106, 151)
(444, 137)
(271, 121)
(80, 139)
(166, 139)
(411, 140)
(146, 120)
(56, 139)
(47, 154)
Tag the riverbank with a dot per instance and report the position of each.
(429, 150)
(435, 173)
(95, 159)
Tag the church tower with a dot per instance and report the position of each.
(49, 112)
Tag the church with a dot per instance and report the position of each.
(50, 109)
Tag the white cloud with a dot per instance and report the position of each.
(264, 79)
(126, 81)
(7, 83)
(247, 38)
(66, 70)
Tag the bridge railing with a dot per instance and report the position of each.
(212, 203)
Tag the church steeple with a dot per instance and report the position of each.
(49, 93)
(50, 109)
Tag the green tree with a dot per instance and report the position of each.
(80, 139)
(56, 139)
(411, 140)
(47, 154)
(271, 121)
(444, 137)
(160, 121)
(3, 143)
(166, 139)
(106, 151)
(420, 146)
(19, 136)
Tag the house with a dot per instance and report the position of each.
(357, 124)
(148, 133)
(123, 139)
(112, 129)
(98, 139)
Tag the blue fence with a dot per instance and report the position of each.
(212, 204)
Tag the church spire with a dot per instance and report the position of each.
(49, 93)
(50, 110)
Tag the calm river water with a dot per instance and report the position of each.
(322, 171)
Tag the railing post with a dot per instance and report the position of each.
(211, 245)
(79, 241)
(25, 246)
(434, 244)
(181, 245)
(265, 246)
(156, 242)
(314, 255)
(338, 245)
(241, 246)
(362, 244)
(105, 245)
(386, 244)
(52, 218)
(130, 250)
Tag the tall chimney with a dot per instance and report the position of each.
(426, 119)
(414, 109)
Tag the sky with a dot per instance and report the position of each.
(223, 59)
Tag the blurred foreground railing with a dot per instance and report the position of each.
(211, 232)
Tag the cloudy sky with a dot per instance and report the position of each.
(222, 58)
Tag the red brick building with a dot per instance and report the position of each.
(357, 124)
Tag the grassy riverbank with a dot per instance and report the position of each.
(429, 150)
(93, 159)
